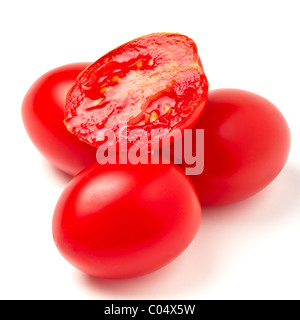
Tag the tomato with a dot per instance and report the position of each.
(122, 221)
(43, 116)
(155, 82)
(246, 145)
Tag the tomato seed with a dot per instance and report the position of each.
(115, 79)
(154, 116)
(103, 90)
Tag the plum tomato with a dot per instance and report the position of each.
(43, 116)
(247, 142)
(122, 221)
(154, 83)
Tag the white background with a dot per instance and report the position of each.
(248, 250)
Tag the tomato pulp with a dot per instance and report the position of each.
(122, 221)
(155, 82)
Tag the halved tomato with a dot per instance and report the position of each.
(155, 82)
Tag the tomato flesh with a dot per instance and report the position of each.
(153, 82)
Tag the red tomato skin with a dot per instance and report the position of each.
(43, 115)
(247, 142)
(123, 221)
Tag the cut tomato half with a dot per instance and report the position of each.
(155, 83)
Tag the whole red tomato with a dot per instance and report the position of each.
(121, 221)
(246, 144)
(43, 116)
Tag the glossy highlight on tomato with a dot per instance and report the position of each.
(155, 82)
(122, 221)
(43, 116)
(246, 145)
